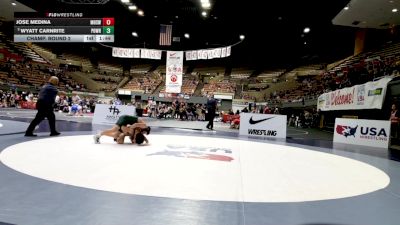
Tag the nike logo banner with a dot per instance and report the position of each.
(251, 121)
(256, 125)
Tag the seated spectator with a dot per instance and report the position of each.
(235, 124)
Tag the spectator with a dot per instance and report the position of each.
(394, 121)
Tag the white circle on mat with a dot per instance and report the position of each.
(196, 168)
(1, 125)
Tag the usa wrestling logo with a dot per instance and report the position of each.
(346, 130)
(194, 152)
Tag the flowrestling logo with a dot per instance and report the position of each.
(195, 152)
(346, 130)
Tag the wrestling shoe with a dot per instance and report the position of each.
(96, 139)
(55, 133)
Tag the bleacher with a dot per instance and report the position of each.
(269, 76)
(389, 52)
(307, 70)
(219, 85)
(147, 84)
(77, 60)
(43, 51)
(313, 80)
(29, 53)
(111, 68)
(140, 69)
(104, 78)
(20, 49)
(8, 79)
(212, 71)
(240, 73)
(29, 74)
(364, 67)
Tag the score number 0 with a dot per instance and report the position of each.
(108, 21)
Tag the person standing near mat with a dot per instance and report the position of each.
(211, 109)
(45, 107)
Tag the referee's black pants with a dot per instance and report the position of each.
(211, 116)
(44, 111)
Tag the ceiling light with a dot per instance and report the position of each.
(346, 8)
(206, 5)
(176, 17)
(125, 1)
(156, 17)
(140, 13)
(13, 3)
(394, 10)
(134, 34)
(305, 43)
(132, 7)
(187, 35)
(242, 37)
(204, 13)
(306, 30)
(204, 1)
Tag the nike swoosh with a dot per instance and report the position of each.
(251, 121)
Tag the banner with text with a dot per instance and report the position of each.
(173, 78)
(122, 52)
(109, 114)
(156, 54)
(136, 53)
(365, 96)
(263, 125)
(374, 133)
(208, 54)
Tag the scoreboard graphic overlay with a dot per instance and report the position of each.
(62, 27)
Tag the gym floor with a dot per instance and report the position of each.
(189, 175)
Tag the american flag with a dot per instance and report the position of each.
(165, 34)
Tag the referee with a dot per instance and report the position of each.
(45, 107)
(211, 108)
